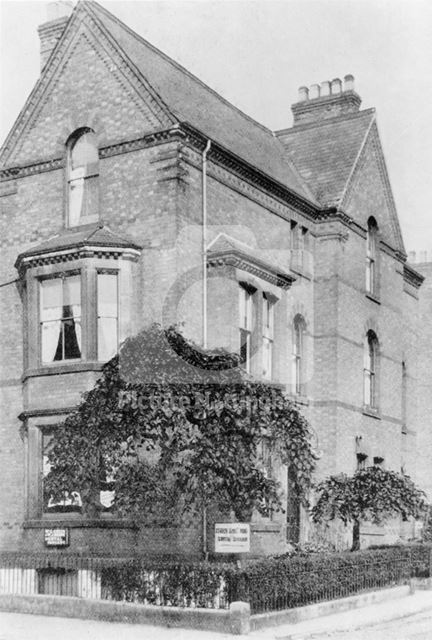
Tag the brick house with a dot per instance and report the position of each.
(118, 164)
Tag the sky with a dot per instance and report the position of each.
(256, 53)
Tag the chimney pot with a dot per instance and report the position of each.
(423, 256)
(336, 86)
(349, 83)
(325, 88)
(59, 9)
(314, 91)
(411, 256)
(303, 94)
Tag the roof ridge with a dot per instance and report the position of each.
(325, 121)
(93, 3)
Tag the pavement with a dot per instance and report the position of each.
(358, 623)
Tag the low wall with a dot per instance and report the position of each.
(234, 620)
(310, 611)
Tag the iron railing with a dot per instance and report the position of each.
(270, 584)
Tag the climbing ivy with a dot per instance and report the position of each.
(168, 424)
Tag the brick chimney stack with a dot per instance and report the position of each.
(327, 100)
(49, 32)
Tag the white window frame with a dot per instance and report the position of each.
(245, 326)
(267, 335)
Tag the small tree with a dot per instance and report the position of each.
(171, 424)
(372, 494)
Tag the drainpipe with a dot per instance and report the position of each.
(204, 240)
(204, 297)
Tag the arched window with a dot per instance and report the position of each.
(298, 355)
(371, 257)
(83, 178)
(370, 370)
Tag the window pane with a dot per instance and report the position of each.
(50, 338)
(72, 340)
(107, 338)
(107, 300)
(76, 198)
(51, 299)
(245, 349)
(72, 293)
(107, 294)
(84, 151)
(71, 500)
(367, 387)
(90, 209)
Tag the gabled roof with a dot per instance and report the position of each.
(188, 100)
(325, 152)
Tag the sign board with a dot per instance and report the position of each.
(56, 537)
(232, 537)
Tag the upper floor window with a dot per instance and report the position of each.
(371, 257)
(60, 318)
(299, 242)
(298, 356)
(267, 335)
(370, 370)
(83, 178)
(107, 310)
(245, 325)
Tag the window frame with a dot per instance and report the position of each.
(246, 325)
(59, 275)
(298, 355)
(370, 371)
(88, 174)
(112, 272)
(268, 309)
(371, 273)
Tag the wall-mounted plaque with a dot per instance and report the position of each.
(56, 537)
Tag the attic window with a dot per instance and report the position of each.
(83, 178)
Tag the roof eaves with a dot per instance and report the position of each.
(309, 204)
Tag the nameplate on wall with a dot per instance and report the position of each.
(56, 537)
(232, 537)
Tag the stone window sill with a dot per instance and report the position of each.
(372, 413)
(67, 367)
(79, 523)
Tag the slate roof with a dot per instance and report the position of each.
(326, 151)
(93, 235)
(192, 101)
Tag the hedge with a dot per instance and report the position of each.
(285, 582)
